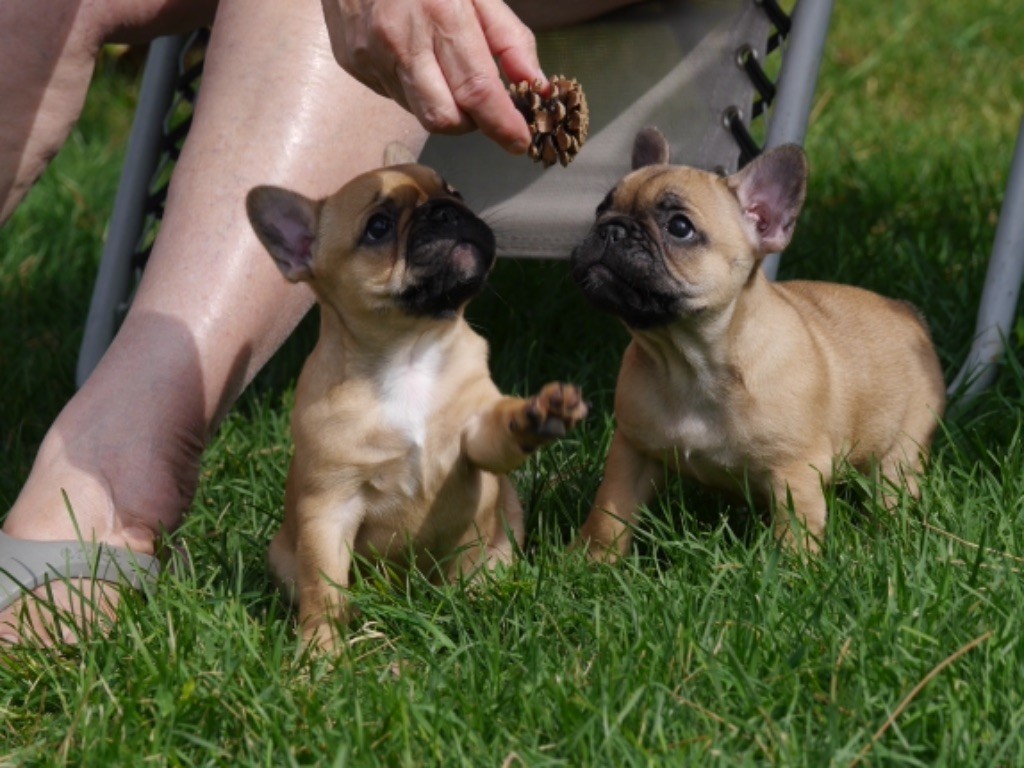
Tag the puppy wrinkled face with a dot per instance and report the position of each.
(401, 238)
(668, 242)
(449, 253)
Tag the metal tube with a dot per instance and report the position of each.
(113, 281)
(1002, 287)
(797, 82)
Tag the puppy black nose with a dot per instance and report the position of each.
(444, 214)
(612, 232)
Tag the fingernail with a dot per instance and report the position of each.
(519, 147)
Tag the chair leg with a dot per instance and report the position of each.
(797, 82)
(113, 281)
(1002, 287)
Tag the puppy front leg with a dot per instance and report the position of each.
(630, 479)
(500, 438)
(324, 543)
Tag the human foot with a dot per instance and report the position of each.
(59, 590)
(105, 491)
(74, 587)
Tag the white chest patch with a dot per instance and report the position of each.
(694, 432)
(409, 389)
(692, 439)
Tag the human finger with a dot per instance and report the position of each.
(425, 92)
(469, 69)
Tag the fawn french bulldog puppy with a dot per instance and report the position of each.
(738, 382)
(402, 440)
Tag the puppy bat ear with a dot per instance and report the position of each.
(396, 153)
(286, 223)
(650, 147)
(771, 193)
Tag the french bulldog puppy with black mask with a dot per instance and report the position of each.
(743, 384)
(402, 439)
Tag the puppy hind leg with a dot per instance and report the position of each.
(799, 510)
(495, 535)
(899, 470)
(510, 520)
(903, 465)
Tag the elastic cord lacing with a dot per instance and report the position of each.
(747, 59)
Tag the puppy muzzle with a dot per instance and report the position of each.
(621, 270)
(449, 253)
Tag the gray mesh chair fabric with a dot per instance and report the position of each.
(694, 69)
(672, 65)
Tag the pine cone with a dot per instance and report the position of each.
(558, 120)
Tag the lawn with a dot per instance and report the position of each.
(900, 645)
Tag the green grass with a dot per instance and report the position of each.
(901, 645)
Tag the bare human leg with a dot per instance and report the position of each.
(212, 308)
(46, 62)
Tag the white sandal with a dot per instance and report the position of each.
(25, 565)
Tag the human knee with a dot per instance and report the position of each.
(139, 21)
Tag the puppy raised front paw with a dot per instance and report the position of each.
(548, 415)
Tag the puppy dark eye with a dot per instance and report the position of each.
(378, 227)
(679, 226)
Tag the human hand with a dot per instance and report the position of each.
(436, 59)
